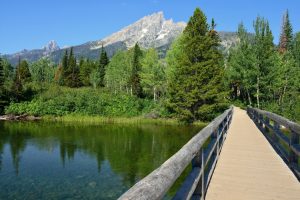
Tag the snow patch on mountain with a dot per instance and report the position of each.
(150, 31)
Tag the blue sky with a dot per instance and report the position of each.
(30, 24)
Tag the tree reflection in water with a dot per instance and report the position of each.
(132, 151)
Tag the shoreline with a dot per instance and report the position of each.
(82, 119)
(23, 117)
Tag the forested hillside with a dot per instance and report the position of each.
(196, 80)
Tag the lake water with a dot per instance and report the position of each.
(64, 161)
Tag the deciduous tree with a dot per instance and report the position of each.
(153, 74)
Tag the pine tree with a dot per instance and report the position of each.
(86, 67)
(135, 80)
(6, 76)
(1, 74)
(103, 62)
(2, 93)
(286, 36)
(72, 72)
(194, 85)
(8, 70)
(22, 72)
(22, 76)
(63, 70)
(17, 89)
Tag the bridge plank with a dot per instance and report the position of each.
(249, 168)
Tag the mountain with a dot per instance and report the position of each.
(51, 47)
(150, 31)
(228, 40)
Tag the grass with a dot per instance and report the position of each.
(72, 118)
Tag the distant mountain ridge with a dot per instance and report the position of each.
(150, 31)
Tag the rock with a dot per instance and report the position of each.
(92, 184)
(23, 117)
(152, 115)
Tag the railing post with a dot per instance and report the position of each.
(276, 130)
(227, 122)
(293, 157)
(260, 116)
(199, 162)
(217, 135)
(267, 124)
(222, 134)
(255, 115)
(250, 112)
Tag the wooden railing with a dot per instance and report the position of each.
(202, 151)
(282, 134)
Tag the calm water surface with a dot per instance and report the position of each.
(59, 161)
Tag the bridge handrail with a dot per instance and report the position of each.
(156, 184)
(280, 120)
(286, 144)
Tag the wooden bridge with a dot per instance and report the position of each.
(258, 160)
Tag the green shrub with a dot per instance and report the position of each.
(59, 101)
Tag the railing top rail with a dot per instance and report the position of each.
(157, 183)
(279, 119)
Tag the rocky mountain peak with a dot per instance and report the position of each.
(51, 46)
(157, 17)
(150, 31)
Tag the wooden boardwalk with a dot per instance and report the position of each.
(249, 167)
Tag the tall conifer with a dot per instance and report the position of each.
(135, 80)
(22, 76)
(1, 74)
(72, 77)
(64, 69)
(2, 93)
(195, 90)
(286, 36)
(22, 72)
(103, 62)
